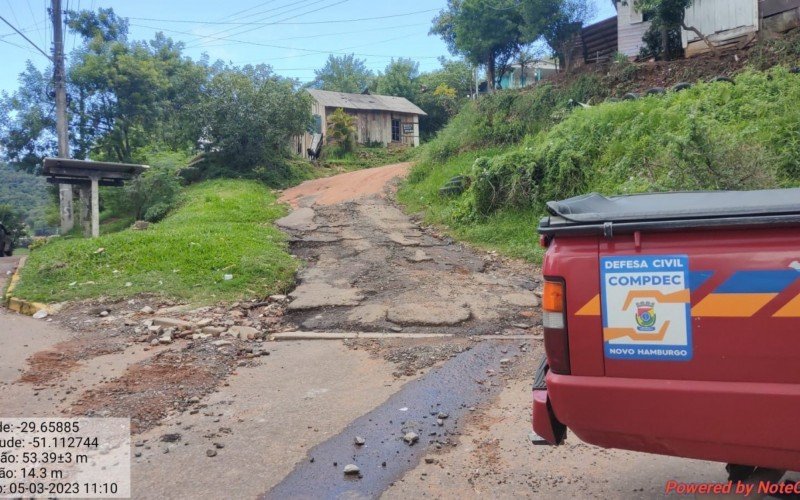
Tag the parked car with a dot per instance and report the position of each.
(6, 243)
(671, 325)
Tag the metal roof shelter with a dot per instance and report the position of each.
(367, 102)
(88, 176)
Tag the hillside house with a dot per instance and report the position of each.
(379, 118)
(517, 78)
(726, 23)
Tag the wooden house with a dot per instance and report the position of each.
(378, 118)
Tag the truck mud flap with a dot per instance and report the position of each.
(545, 423)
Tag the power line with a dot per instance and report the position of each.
(245, 10)
(330, 21)
(25, 37)
(292, 17)
(283, 47)
(323, 35)
(250, 23)
(15, 45)
(33, 16)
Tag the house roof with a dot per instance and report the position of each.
(367, 102)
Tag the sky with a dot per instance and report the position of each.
(295, 37)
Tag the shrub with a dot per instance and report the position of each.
(341, 133)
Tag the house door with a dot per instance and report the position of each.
(395, 130)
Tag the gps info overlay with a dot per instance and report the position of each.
(65, 458)
(646, 307)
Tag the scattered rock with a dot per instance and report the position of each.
(172, 323)
(170, 438)
(147, 310)
(204, 322)
(351, 470)
(214, 331)
(278, 298)
(505, 361)
(243, 332)
(420, 256)
(359, 441)
(41, 314)
(410, 438)
(221, 343)
(442, 415)
(211, 453)
(430, 460)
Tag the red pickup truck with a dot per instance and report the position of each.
(672, 325)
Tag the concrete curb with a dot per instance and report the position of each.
(23, 306)
(354, 335)
(408, 336)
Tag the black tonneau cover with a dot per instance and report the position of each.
(594, 213)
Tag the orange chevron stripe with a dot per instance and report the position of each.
(732, 305)
(790, 310)
(591, 308)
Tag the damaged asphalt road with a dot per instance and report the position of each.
(370, 268)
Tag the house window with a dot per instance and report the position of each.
(395, 130)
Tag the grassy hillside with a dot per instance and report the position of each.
(221, 227)
(712, 136)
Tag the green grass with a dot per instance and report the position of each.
(221, 227)
(512, 233)
(21, 251)
(366, 157)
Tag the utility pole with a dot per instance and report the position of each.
(59, 79)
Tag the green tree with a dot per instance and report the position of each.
(343, 74)
(249, 116)
(442, 93)
(400, 79)
(667, 17)
(561, 24)
(27, 120)
(490, 32)
(122, 96)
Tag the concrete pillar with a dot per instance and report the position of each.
(95, 207)
(65, 204)
(86, 210)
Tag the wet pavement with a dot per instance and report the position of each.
(454, 389)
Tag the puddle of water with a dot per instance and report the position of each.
(453, 388)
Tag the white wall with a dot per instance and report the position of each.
(630, 29)
(721, 19)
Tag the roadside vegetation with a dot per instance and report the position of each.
(518, 150)
(221, 227)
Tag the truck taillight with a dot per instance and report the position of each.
(556, 341)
